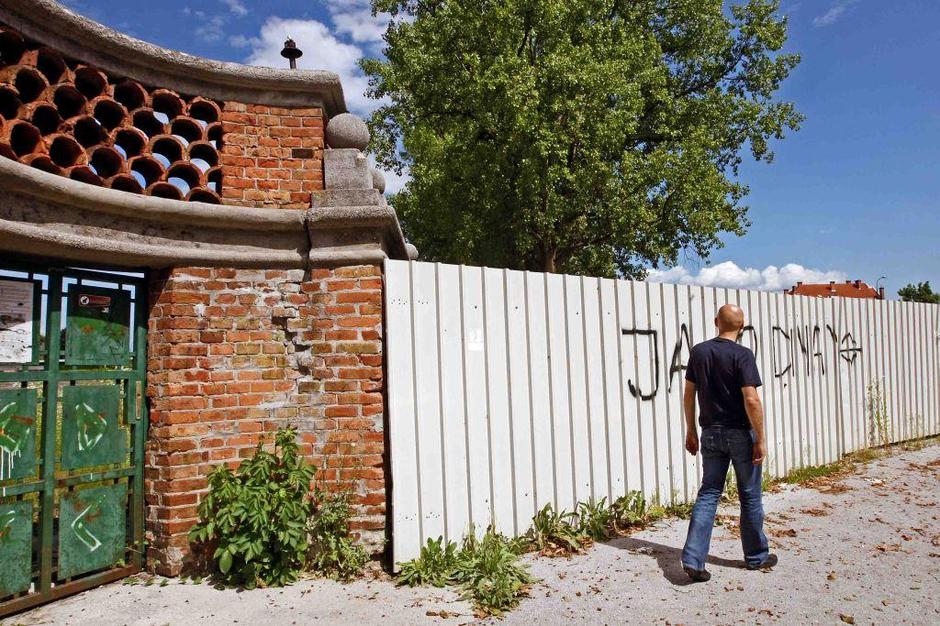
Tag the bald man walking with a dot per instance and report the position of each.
(723, 375)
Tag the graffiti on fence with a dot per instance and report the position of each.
(806, 343)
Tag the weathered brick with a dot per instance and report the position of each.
(223, 374)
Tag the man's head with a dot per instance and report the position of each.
(730, 319)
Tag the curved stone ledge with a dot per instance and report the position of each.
(42, 214)
(54, 25)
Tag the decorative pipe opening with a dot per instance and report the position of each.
(9, 102)
(90, 82)
(214, 179)
(184, 176)
(65, 151)
(186, 130)
(12, 47)
(205, 112)
(166, 149)
(145, 120)
(30, 83)
(106, 161)
(203, 195)
(88, 131)
(214, 134)
(69, 101)
(46, 118)
(51, 64)
(166, 105)
(130, 142)
(125, 182)
(164, 190)
(146, 170)
(24, 138)
(42, 162)
(85, 174)
(203, 156)
(131, 94)
(109, 113)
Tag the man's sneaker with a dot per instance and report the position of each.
(697, 575)
(768, 563)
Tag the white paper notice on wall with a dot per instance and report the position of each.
(16, 321)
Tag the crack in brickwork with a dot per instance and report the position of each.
(236, 354)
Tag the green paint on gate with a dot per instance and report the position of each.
(91, 433)
(98, 326)
(72, 429)
(17, 434)
(92, 529)
(16, 547)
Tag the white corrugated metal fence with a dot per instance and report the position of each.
(508, 390)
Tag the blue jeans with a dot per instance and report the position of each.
(721, 446)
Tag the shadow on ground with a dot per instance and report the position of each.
(669, 558)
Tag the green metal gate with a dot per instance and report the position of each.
(73, 419)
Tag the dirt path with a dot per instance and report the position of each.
(866, 549)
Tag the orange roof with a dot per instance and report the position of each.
(848, 289)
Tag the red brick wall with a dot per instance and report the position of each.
(236, 354)
(272, 157)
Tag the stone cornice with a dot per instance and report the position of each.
(73, 35)
(47, 215)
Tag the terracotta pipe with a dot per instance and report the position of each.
(29, 82)
(12, 46)
(43, 115)
(124, 182)
(10, 103)
(202, 194)
(106, 161)
(131, 94)
(41, 162)
(108, 111)
(65, 151)
(129, 140)
(22, 137)
(85, 174)
(164, 190)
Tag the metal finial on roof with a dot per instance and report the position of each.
(291, 52)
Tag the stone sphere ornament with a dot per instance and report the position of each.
(378, 180)
(347, 131)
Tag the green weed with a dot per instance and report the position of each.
(595, 519)
(332, 551)
(486, 569)
(553, 534)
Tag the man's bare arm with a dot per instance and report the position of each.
(755, 415)
(691, 434)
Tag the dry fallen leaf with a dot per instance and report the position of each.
(888, 547)
(848, 619)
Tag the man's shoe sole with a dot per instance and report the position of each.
(699, 576)
(768, 563)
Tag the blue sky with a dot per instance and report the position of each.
(853, 194)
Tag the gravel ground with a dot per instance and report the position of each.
(863, 548)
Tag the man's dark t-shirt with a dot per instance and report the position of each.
(719, 368)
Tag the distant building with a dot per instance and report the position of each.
(848, 289)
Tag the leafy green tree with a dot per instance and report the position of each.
(586, 136)
(921, 292)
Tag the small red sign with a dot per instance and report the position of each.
(94, 301)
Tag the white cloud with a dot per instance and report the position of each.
(728, 274)
(211, 29)
(354, 19)
(322, 51)
(834, 14)
(236, 7)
